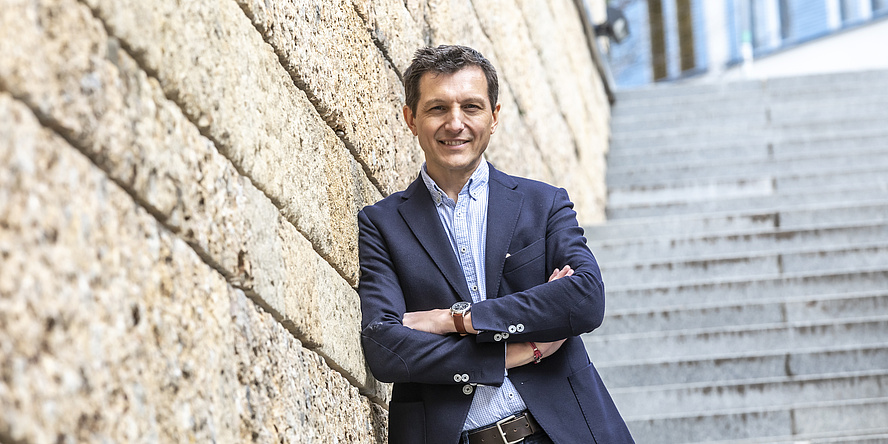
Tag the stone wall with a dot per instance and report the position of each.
(178, 190)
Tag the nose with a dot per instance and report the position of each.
(455, 121)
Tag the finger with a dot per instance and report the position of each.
(563, 272)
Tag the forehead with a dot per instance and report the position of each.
(467, 83)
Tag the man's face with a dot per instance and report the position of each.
(453, 122)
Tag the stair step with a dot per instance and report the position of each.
(701, 343)
(690, 190)
(747, 290)
(771, 160)
(743, 151)
(713, 171)
(729, 315)
(762, 116)
(659, 248)
(711, 145)
(766, 393)
(745, 204)
(729, 368)
(795, 424)
(694, 269)
(813, 215)
(723, 139)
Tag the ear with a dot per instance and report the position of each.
(496, 110)
(410, 119)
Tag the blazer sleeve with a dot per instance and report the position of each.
(555, 310)
(396, 353)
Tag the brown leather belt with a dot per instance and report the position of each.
(506, 431)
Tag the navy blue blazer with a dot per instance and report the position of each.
(407, 264)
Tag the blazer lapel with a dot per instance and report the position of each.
(503, 207)
(421, 216)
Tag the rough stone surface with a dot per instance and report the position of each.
(356, 91)
(113, 329)
(211, 61)
(398, 28)
(187, 184)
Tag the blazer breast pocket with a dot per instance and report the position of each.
(525, 268)
(524, 256)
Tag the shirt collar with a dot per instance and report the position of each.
(473, 187)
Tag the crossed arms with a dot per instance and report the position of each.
(414, 345)
(440, 322)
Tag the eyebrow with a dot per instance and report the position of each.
(478, 99)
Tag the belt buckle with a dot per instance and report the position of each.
(499, 427)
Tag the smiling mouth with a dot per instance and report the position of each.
(454, 142)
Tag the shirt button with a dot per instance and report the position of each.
(519, 328)
(468, 389)
(513, 329)
(463, 249)
(474, 288)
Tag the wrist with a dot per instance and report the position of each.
(537, 355)
(458, 313)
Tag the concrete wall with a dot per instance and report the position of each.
(178, 190)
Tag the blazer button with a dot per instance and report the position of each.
(513, 329)
(519, 328)
(457, 378)
(465, 377)
(468, 389)
(505, 336)
(497, 337)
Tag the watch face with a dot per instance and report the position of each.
(460, 307)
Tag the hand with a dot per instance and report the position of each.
(558, 274)
(436, 321)
(521, 353)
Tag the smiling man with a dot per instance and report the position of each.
(475, 285)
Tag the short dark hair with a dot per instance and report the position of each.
(446, 59)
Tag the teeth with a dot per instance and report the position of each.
(453, 142)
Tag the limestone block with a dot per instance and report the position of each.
(210, 60)
(590, 85)
(397, 31)
(326, 47)
(553, 43)
(113, 329)
(142, 140)
(419, 10)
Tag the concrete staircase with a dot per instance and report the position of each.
(746, 261)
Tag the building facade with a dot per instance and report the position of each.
(697, 39)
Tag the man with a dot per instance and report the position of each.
(460, 308)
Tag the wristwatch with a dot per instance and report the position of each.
(457, 312)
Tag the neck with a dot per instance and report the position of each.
(451, 182)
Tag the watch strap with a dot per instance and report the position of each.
(459, 323)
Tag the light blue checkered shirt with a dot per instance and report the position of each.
(465, 221)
